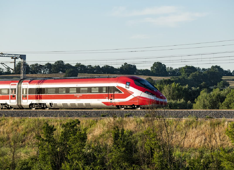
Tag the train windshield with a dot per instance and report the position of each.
(145, 84)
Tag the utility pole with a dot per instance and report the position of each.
(14, 58)
(17, 56)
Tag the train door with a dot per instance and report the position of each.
(24, 93)
(12, 94)
(111, 94)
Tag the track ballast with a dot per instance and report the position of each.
(118, 113)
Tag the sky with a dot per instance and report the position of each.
(100, 32)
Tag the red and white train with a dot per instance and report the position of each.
(120, 92)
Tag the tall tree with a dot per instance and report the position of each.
(144, 72)
(47, 68)
(187, 70)
(106, 69)
(18, 68)
(159, 69)
(36, 68)
(128, 69)
(97, 69)
(81, 68)
(229, 101)
(218, 69)
(71, 72)
(58, 67)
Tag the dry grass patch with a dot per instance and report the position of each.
(188, 133)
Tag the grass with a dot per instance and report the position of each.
(228, 77)
(185, 135)
(230, 80)
(200, 133)
(231, 83)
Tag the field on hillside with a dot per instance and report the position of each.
(230, 80)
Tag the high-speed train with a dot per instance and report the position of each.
(121, 92)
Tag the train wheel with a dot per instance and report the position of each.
(138, 107)
(32, 106)
(121, 107)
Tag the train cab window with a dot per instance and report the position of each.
(4, 91)
(145, 84)
(116, 90)
(127, 84)
(94, 90)
(51, 91)
(113, 89)
(72, 90)
(84, 90)
(62, 90)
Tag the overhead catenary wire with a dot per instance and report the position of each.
(141, 60)
(103, 52)
(135, 58)
(128, 48)
(197, 60)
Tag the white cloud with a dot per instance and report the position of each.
(173, 20)
(140, 36)
(162, 16)
(122, 11)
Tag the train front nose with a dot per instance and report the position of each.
(165, 101)
(162, 99)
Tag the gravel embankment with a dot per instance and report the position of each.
(118, 113)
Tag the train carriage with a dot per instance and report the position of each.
(120, 92)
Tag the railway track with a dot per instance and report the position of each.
(118, 113)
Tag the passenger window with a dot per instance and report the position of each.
(103, 89)
(4, 91)
(62, 90)
(72, 90)
(38, 91)
(127, 84)
(94, 89)
(83, 90)
(51, 91)
(31, 91)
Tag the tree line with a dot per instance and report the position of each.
(157, 69)
(197, 89)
